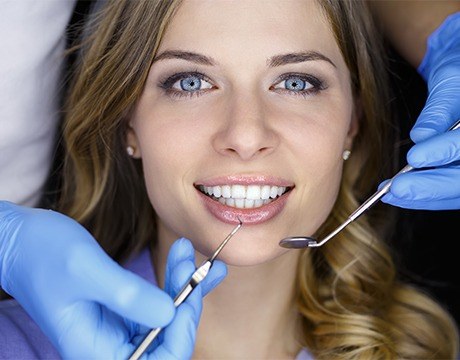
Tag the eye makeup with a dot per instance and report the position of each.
(168, 83)
(299, 84)
(306, 84)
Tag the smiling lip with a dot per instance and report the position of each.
(256, 215)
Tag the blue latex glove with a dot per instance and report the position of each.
(437, 188)
(177, 341)
(87, 305)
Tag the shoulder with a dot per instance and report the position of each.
(20, 337)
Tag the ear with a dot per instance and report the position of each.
(133, 142)
(354, 124)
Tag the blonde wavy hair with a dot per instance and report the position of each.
(351, 303)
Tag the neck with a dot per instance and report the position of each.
(250, 314)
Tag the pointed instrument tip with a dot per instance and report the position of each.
(229, 236)
(237, 226)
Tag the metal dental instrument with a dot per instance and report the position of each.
(299, 242)
(198, 276)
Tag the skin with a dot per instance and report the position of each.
(246, 123)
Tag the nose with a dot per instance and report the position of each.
(245, 131)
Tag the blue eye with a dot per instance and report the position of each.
(186, 84)
(295, 84)
(190, 83)
(298, 84)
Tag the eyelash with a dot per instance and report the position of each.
(167, 85)
(317, 85)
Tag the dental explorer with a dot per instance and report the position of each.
(200, 273)
(299, 242)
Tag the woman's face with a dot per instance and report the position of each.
(246, 112)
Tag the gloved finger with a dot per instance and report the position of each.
(180, 267)
(89, 331)
(138, 333)
(184, 270)
(438, 150)
(442, 108)
(180, 275)
(11, 220)
(179, 336)
(9, 224)
(449, 204)
(433, 185)
(102, 280)
(181, 250)
(215, 276)
(9, 207)
(9, 212)
(178, 339)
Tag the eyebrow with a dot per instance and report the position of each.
(185, 55)
(277, 60)
(294, 58)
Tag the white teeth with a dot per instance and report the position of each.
(238, 191)
(226, 191)
(239, 203)
(265, 192)
(244, 196)
(253, 192)
(249, 204)
(217, 191)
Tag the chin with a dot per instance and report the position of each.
(251, 259)
(246, 250)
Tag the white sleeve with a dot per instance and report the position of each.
(32, 40)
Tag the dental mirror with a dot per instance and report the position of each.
(299, 242)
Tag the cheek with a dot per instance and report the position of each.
(163, 163)
(171, 145)
(166, 136)
(158, 174)
(317, 140)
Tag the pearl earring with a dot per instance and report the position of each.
(130, 150)
(346, 154)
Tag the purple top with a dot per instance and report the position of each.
(21, 338)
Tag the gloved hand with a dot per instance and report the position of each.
(436, 188)
(177, 341)
(87, 305)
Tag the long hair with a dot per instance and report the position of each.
(102, 187)
(350, 301)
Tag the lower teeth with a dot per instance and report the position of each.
(242, 203)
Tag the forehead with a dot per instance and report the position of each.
(247, 28)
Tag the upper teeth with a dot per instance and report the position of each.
(249, 192)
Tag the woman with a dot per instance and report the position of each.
(186, 115)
